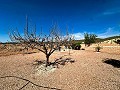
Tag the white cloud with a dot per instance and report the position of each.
(109, 32)
(111, 11)
(78, 36)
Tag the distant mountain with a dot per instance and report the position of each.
(100, 39)
(109, 38)
(79, 41)
(113, 37)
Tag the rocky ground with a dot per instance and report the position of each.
(88, 72)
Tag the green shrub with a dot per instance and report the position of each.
(89, 39)
(76, 46)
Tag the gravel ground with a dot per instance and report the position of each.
(88, 72)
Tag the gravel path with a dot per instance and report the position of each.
(88, 72)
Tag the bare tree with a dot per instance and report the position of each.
(44, 43)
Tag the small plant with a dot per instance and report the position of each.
(76, 46)
(97, 49)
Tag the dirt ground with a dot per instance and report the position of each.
(106, 48)
(88, 72)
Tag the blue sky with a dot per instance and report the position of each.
(101, 17)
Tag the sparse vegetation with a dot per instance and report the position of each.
(89, 39)
(77, 52)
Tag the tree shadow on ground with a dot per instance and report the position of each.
(59, 61)
(115, 63)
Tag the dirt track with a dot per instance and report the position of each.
(87, 73)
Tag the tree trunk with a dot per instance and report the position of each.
(98, 50)
(47, 60)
